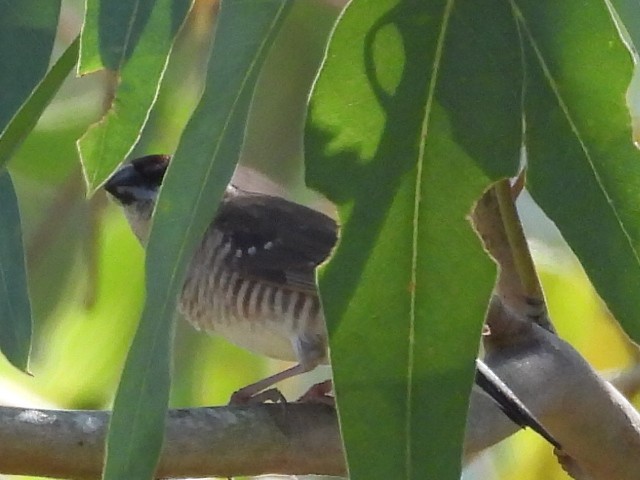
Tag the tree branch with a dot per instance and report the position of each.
(218, 441)
(599, 430)
(294, 439)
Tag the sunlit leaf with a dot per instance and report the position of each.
(15, 309)
(25, 120)
(198, 175)
(133, 41)
(584, 170)
(416, 111)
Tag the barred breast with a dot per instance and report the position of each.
(268, 318)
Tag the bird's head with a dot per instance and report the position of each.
(135, 186)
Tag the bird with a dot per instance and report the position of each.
(252, 279)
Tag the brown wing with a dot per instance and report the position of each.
(275, 240)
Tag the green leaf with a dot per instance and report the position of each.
(416, 110)
(114, 30)
(15, 309)
(27, 31)
(133, 40)
(584, 170)
(30, 112)
(192, 189)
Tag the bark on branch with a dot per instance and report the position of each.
(216, 441)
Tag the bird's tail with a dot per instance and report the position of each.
(507, 401)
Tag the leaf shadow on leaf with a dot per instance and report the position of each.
(117, 44)
(380, 178)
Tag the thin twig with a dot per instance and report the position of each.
(515, 236)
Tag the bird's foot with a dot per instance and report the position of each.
(319, 393)
(263, 391)
(244, 397)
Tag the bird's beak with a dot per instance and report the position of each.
(120, 183)
(126, 185)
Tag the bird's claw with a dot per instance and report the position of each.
(244, 397)
(319, 393)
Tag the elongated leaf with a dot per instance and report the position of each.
(133, 40)
(27, 32)
(584, 170)
(27, 117)
(15, 309)
(113, 30)
(192, 189)
(416, 110)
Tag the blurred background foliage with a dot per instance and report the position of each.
(86, 268)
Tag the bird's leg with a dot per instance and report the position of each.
(309, 350)
(254, 393)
